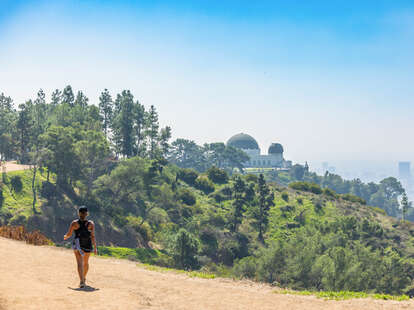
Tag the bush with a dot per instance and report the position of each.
(245, 268)
(184, 249)
(353, 198)
(204, 184)
(315, 188)
(217, 175)
(251, 178)
(16, 183)
(307, 187)
(285, 196)
(187, 196)
(189, 176)
(329, 192)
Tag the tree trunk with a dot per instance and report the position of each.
(34, 188)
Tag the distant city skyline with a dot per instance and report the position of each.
(330, 81)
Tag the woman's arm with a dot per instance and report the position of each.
(70, 231)
(95, 249)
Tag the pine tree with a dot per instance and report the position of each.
(106, 110)
(81, 100)
(25, 127)
(266, 200)
(152, 131)
(67, 96)
(405, 205)
(239, 188)
(56, 97)
(139, 127)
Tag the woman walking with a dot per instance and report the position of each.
(83, 243)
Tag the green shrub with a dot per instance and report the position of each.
(329, 192)
(307, 187)
(217, 175)
(251, 178)
(315, 188)
(300, 186)
(187, 196)
(300, 200)
(353, 198)
(204, 184)
(16, 183)
(189, 176)
(184, 249)
(285, 196)
(245, 268)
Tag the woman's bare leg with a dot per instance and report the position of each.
(79, 262)
(85, 265)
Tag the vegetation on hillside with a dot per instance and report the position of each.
(116, 160)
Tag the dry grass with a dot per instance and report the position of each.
(20, 233)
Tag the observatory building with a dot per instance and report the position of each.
(273, 159)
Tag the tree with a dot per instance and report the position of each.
(187, 154)
(261, 212)
(56, 98)
(165, 136)
(239, 188)
(297, 172)
(152, 132)
(405, 205)
(184, 249)
(7, 126)
(25, 129)
(92, 151)
(67, 96)
(139, 127)
(59, 143)
(106, 110)
(81, 100)
(123, 125)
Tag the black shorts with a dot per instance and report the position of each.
(85, 245)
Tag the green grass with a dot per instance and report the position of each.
(143, 255)
(148, 258)
(192, 274)
(343, 295)
(20, 204)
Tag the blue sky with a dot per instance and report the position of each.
(327, 79)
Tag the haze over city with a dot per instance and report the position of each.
(325, 80)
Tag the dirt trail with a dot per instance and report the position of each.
(33, 277)
(13, 166)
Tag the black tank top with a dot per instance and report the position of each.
(82, 232)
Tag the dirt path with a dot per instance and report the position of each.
(12, 166)
(34, 277)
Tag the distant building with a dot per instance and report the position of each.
(404, 170)
(274, 158)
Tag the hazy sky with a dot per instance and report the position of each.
(327, 79)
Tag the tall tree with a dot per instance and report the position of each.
(165, 136)
(239, 201)
(67, 96)
(106, 110)
(56, 97)
(7, 126)
(25, 129)
(123, 124)
(139, 127)
(152, 131)
(81, 100)
(405, 205)
(266, 201)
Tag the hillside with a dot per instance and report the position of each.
(47, 280)
(311, 240)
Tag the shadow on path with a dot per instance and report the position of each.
(87, 288)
